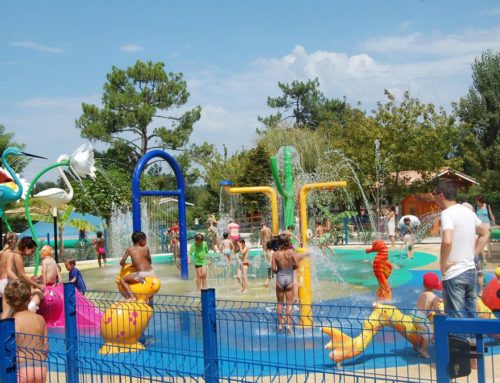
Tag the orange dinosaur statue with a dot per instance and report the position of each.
(382, 269)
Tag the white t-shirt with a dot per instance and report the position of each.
(463, 222)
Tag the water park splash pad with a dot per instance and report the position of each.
(251, 329)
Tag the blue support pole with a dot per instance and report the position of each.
(442, 350)
(346, 230)
(180, 194)
(443, 326)
(8, 366)
(48, 239)
(105, 234)
(209, 323)
(481, 376)
(71, 333)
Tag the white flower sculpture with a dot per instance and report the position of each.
(82, 162)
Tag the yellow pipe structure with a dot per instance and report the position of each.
(304, 191)
(270, 192)
(304, 269)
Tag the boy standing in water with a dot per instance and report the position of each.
(408, 237)
(141, 261)
(75, 276)
(227, 247)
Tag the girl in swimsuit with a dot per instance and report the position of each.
(285, 261)
(242, 273)
(10, 243)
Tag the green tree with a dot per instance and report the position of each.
(112, 189)
(299, 102)
(6, 140)
(134, 98)
(480, 112)
(414, 136)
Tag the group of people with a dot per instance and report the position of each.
(21, 297)
(406, 231)
(232, 247)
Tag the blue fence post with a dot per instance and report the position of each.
(209, 322)
(8, 351)
(442, 349)
(481, 377)
(71, 333)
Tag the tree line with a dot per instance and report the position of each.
(143, 108)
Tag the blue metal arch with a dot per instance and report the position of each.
(180, 193)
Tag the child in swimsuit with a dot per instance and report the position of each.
(50, 272)
(31, 334)
(227, 247)
(6, 264)
(175, 246)
(285, 261)
(426, 303)
(269, 259)
(199, 252)
(242, 273)
(100, 248)
(141, 261)
(75, 276)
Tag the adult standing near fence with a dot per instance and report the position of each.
(459, 227)
(483, 211)
(390, 216)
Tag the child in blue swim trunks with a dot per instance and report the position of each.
(227, 247)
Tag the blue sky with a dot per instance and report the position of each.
(54, 55)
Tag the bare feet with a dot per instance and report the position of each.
(131, 298)
(424, 354)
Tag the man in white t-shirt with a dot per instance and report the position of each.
(459, 227)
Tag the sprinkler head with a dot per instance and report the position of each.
(226, 183)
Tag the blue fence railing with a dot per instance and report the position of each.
(201, 339)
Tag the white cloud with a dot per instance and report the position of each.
(63, 103)
(231, 101)
(36, 46)
(131, 48)
(406, 25)
(467, 42)
(494, 12)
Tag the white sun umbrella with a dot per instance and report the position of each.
(413, 220)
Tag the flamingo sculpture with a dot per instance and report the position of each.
(81, 163)
(8, 194)
(56, 197)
